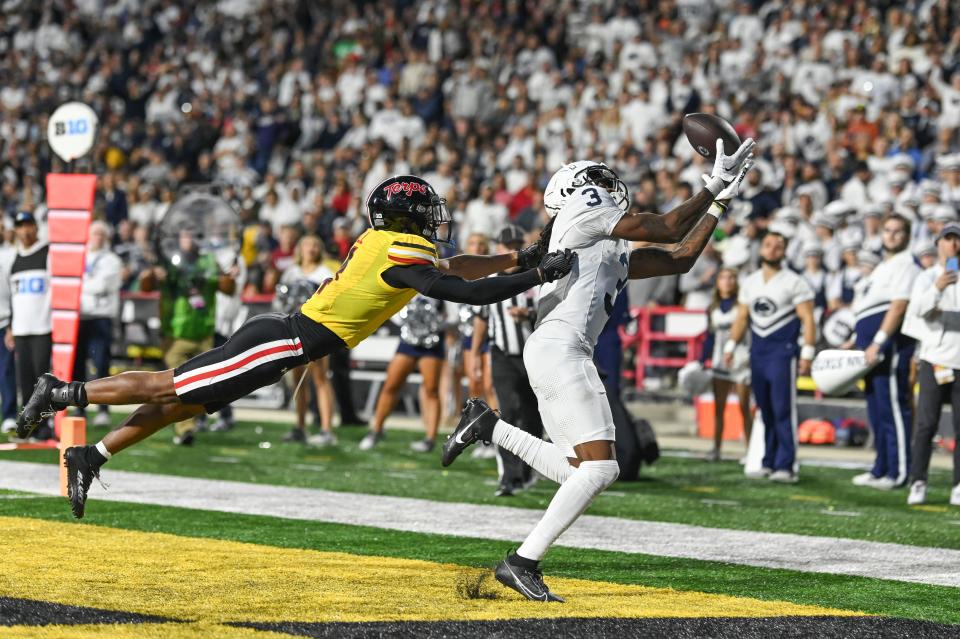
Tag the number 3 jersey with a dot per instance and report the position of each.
(584, 298)
(357, 301)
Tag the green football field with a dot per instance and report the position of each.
(621, 589)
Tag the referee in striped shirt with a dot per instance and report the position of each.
(510, 323)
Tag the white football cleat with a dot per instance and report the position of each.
(955, 496)
(864, 479)
(884, 483)
(784, 477)
(918, 493)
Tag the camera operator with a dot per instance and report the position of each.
(188, 281)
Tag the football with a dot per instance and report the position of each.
(703, 130)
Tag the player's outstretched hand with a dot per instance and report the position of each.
(555, 265)
(727, 167)
(529, 256)
(731, 190)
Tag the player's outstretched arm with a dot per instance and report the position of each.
(669, 228)
(655, 261)
(473, 267)
(434, 283)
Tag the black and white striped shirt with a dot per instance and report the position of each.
(508, 333)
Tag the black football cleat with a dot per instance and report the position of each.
(80, 474)
(40, 406)
(527, 581)
(476, 425)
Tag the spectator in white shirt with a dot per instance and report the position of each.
(880, 305)
(934, 317)
(854, 191)
(483, 215)
(99, 307)
(279, 213)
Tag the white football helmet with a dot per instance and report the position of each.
(572, 176)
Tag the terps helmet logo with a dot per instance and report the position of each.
(764, 307)
(405, 187)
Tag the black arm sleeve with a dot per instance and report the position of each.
(488, 290)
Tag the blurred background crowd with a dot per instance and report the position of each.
(299, 107)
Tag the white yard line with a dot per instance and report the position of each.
(770, 550)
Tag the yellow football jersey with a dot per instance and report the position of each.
(356, 301)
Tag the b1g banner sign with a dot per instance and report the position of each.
(71, 130)
(70, 208)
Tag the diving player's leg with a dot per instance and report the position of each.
(135, 387)
(258, 354)
(262, 348)
(145, 421)
(84, 462)
(251, 358)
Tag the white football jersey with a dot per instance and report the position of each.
(584, 298)
(774, 324)
(891, 280)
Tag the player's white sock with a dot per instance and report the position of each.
(544, 457)
(573, 497)
(102, 449)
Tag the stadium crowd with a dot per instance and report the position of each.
(298, 108)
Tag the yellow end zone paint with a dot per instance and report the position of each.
(213, 581)
(139, 631)
(930, 509)
(700, 489)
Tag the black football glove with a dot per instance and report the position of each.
(529, 256)
(555, 265)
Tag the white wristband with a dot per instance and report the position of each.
(717, 210)
(808, 352)
(714, 185)
(880, 338)
(729, 347)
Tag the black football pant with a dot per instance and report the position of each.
(93, 343)
(930, 401)
(518, 406)
(33, 360)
